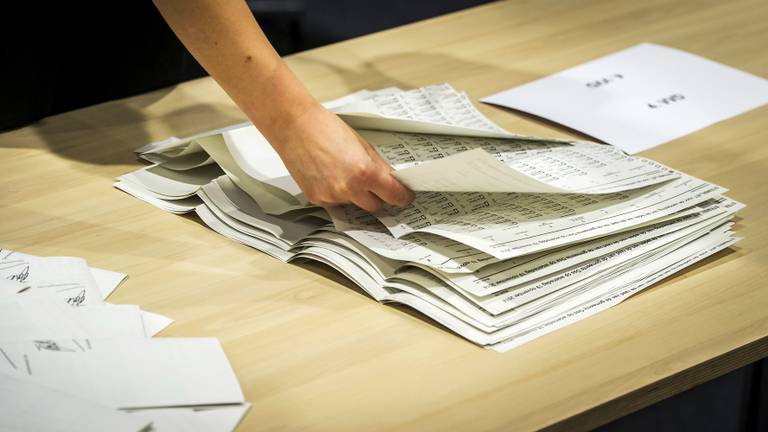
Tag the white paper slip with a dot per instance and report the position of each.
(38, 316)
(36, 272)
(107, 280)
(640, 97)
(359, 96)
(135, 373)
(179, 206)
(12, 287)
(471, 164)
(30, 407)
(172, 184)
(154, 323)
(68, 277)
(223, 418)
(437, 109)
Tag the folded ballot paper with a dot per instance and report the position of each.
(71, 361)
(509, 238)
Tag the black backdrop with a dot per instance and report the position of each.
(62, 55)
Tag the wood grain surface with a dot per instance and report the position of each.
(314, 354)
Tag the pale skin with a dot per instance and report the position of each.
(330, 162)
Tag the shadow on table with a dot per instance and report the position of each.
(407, 70)
(107, 133)
(69, 237)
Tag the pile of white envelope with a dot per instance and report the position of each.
(510, 237)
(71, 361)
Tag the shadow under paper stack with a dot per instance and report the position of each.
(510, 237)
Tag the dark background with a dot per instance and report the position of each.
(62, 55)
(59, 56)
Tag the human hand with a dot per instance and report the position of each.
(330, 162)
(333, 164)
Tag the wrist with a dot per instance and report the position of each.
(282, 103)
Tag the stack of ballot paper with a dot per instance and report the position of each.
(70, 361)
(510, 237)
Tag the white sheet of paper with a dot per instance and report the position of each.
(470, 171)
(508, 228)
(179, 206)
(31, 407)
(172, 184)
(270, 198)
(12, 287)
(33, 315)
(107, 280)
(436, 109)
(69, 277)
(154, 323)
(161, 372)
(223, 418)
(258, 159)
(640, 97)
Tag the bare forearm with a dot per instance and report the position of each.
(226, 40)
(330, 162)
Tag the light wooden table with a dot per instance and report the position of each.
(313, 354)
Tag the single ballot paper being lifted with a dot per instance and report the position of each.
(640, 97)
